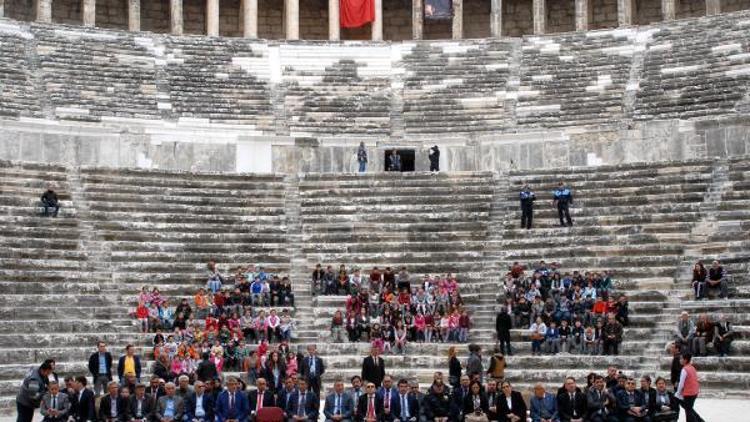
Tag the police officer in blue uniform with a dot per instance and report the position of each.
(527, 206)
(563, 199)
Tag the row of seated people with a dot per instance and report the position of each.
(571, 313)
(710, 282)
(391, 314)
(252, 285)
(328, 282)
(697, 336)
(615, 397)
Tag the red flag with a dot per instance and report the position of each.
(356, 13)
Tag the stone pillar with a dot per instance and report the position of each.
(134, 15)
(2, 8)
(377, 25)
(291, 14)
(417, 20)
(713, 7)
(458, 19)
(44, 11)
(334, 21)
(668, 9)
(582, 15)
(250, 18)
(539, 7)
(175, 16)
(212, 18)
(88, 12)
(496, 18)
(624, 12)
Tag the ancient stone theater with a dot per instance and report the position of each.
(173, 172)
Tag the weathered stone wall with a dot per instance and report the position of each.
(603, 14)
(67, 11)
(194, 16)
(230, 19)
(477, 19)
(155, 16)
(22, 10)
(646, 12)
(561, 16)
(690, 8)
(397, 20)
(518, 18)
(734, 5)
(112, 14)
(271, 19)
(313, 20)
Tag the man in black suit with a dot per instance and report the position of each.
(406, 407)
(571, 403)
(113, 407)
(286, 393)
(516, 412)
(100, 367)
(154, 389)
(260, 398)
(131, 361)
(312, 369)
(369, 408)
(140, 406)
(82, 408)
(373, 368)
(457, 398)
(199, 406)
(664, 407)
(647, 392)
(303, 404)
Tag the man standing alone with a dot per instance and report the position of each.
(362, 157)
(527, 197)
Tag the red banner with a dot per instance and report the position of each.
(356, 13)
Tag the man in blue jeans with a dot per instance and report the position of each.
(362, 157)
(50, 202)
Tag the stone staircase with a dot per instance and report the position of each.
(71, 281)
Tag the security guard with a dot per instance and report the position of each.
(527, 206)
(563, 199)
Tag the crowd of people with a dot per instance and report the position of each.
(231, 321)
(390, 310)
(697, 336)
(567, 312)
(471, 395)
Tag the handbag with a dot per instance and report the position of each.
(476, 417)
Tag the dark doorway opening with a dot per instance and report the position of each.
(407, 159)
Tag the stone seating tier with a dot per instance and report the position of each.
(687, 69)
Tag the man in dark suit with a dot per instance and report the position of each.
(630, 404)
(232, 406)
(339, 406)
(457, 398)
(285, 393)
(664, 407)
(406, 406)
(571, 403)
(199, 406)
(516, 410)
(83, 401)
(155, 390)
(387, 395)
(100, 367)
(369, 408)
(129, 362)
(599, 401)
(113, 407)
(373, 368)
(648, 393)
(141, 407)
(312, 369)
(303, 404)
(260, 398)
